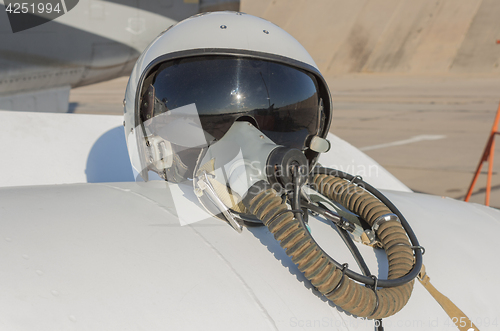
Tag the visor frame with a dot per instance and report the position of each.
(323, 91)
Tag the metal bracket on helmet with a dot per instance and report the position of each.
(160, 152)
(319, 144)
(206, 187)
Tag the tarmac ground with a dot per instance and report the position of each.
(429, 131)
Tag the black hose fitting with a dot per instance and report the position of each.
(280, 164)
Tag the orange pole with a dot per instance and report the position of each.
(490, 171)
(479, 166)
(487, 154)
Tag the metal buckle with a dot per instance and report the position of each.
(383, 219)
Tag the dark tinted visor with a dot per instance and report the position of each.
(282, 101)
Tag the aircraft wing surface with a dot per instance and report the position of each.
(113, 256)
(53, 148)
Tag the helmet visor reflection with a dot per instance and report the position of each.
(282, 101)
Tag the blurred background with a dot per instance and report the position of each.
(415, 84)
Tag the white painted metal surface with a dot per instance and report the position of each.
(55, 99)
(133, 27)
(48, 148)
(113, 256)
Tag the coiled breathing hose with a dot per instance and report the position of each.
(327, 275)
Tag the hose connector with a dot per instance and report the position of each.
(384, 218)
(280, 165)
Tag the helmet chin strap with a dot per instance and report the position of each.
(212, 193)
(226, 195)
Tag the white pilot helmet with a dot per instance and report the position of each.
(187, 104)
(206, 72)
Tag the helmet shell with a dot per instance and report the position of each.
(217, 33)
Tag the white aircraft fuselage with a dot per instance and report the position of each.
(108, 255)
(95, 41)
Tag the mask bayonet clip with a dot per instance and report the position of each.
(207, 188)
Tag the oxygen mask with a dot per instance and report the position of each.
(243, 157)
